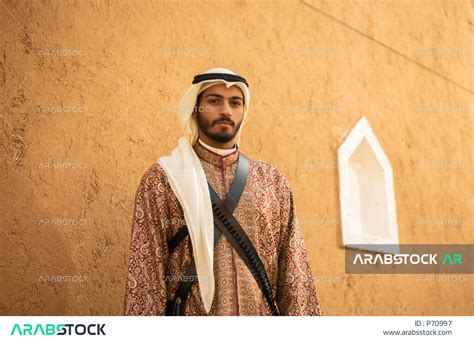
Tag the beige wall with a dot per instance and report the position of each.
(314, 68)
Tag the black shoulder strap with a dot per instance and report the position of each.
(238, 184)
(177, 238)
(232, 230)
(233, 197)
(231, 200)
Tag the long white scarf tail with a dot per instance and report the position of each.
(188, 182)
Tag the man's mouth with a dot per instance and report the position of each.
(225, 123)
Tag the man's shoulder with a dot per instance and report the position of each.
(263, 165)
(267, 170)
(154, 174)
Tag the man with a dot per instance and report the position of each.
(180, 263)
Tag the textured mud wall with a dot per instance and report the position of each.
(88, 97)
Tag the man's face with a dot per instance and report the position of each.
(220, 112)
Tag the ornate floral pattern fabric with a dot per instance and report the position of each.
(266, 211)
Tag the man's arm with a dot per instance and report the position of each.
(146, 292)
(296, 295)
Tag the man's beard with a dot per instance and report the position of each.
(222, 137)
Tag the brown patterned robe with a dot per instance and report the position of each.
(266, 211)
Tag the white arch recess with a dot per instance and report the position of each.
(367, 197)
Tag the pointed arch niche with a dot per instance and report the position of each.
(367, 198)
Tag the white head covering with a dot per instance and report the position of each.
(188, 180)
(188, 101)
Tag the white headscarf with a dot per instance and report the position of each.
(188, 180)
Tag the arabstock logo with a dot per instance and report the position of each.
(409, 259)
(405, 259)
(57, 329)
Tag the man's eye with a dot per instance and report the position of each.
(236, 103)
(213, 101)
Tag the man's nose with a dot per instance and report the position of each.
(225, 109)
